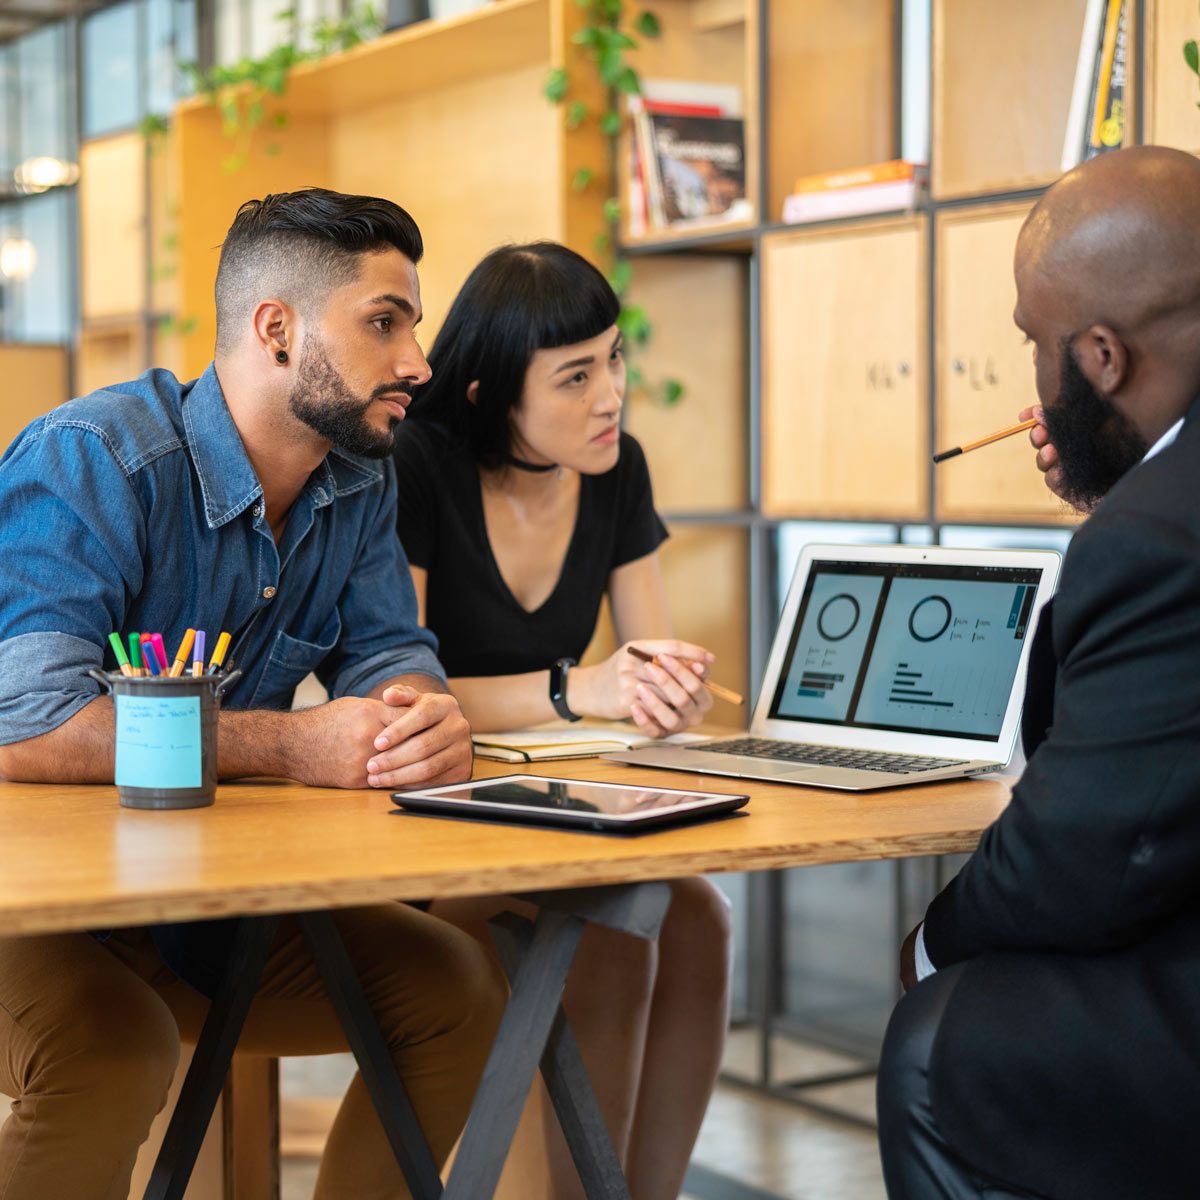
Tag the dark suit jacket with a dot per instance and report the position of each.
(1068, 1060)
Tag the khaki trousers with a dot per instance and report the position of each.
(90, 1034)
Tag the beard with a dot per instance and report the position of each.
(324, 402)
(1096, 444)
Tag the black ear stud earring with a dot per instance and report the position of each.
(281, 356)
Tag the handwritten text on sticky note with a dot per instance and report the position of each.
(158, 742)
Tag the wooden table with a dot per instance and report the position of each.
(74, 859)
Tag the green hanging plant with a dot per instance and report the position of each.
(247, 92)
(604, 41)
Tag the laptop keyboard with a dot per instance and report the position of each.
(830, 756)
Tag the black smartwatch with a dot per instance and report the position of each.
(558, 689)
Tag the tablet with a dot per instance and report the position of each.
(570, 803)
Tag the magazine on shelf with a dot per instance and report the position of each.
(877, 187)
(1098, 116)
(700, 164)
(666, 181)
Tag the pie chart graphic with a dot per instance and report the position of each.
(838, 617)
(930, 618)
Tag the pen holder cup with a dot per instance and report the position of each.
(166, 737)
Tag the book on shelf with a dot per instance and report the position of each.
(876, 187)
(562, 739)
(1098, 117)
(686, 156)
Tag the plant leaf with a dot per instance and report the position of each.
(602, 242)
(648, 25)
(610, 63)
(622, 274)
(1191, 54)
(612, 210)
(556, 85)
(628, 82)
(582, 178)
(634, 324)
(672, 392)
(610, 123)
(577, 113)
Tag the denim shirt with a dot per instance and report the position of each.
(136, 509)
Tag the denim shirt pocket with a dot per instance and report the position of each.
(291, 659)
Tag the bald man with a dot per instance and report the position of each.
(1052, 1047)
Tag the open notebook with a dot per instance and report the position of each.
(566, 739)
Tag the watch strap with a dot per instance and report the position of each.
(558, 688)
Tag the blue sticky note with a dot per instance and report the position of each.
(158, 742)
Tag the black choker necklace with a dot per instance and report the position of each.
(532, 468)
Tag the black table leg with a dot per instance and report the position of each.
(567, 1081)
(391, 1101)
(534, 1030)
(537, 958)
(210, 1064)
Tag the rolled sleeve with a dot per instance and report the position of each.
(381, 636)
(368, 674)
(71, 552)
(44, 682)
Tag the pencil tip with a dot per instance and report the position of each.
(945, 454)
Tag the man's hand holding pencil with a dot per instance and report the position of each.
(1033, 419)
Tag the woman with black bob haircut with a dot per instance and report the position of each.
(522, 505)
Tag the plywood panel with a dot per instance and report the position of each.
(110, 354)
(1172, 92)
(209, 197)
(984, 372)
(112, 226)
(474, 164)
(845, 416)
(1001, 90)
(36, 378)
(832, 89)
(163, 163)
(696, 448)
(706, 568)
(426, 57)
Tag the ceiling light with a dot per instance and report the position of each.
(43, 173)
(18, 257)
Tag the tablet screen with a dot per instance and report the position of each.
(535, 794)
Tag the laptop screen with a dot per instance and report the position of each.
(910, 647)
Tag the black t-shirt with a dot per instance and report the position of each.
(480, 626)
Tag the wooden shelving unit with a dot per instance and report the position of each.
(822, 363)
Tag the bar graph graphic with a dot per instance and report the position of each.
(907, 689)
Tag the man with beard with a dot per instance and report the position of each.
(257, 499)
(1052, 1048)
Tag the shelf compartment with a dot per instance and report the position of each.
(985, 373)
(845, 391)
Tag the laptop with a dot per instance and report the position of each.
(891, 665)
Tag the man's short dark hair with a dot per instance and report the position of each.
(298, 246)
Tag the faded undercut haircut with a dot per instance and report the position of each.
(297, 247)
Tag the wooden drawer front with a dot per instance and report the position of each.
(984, 373)
(845, 425)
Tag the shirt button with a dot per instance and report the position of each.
(268, 592)
(258, 510)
